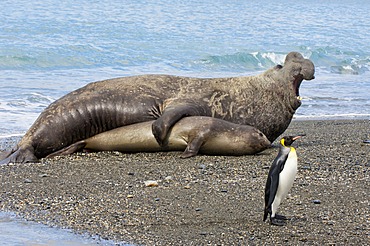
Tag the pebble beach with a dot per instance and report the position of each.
(161, 199)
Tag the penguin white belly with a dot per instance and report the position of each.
(286, 179)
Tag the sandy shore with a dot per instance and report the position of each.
(205, 200)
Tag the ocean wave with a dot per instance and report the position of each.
(327, 59)
(251, 61)
(42, 61)
(26, 100)
(330, 59)
(39, 98)
(339, 61)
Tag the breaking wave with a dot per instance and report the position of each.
(328, 59)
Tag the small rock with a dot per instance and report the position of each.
(130, 196)
(44, 175)
(151, 183)
(187, 187)
(28, 181)
(198, 209)
(316, 201)
(202, 166)
(168, 179)
(330, 222)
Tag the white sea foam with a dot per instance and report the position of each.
(274, 57)
(11, 135)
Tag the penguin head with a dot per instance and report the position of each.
(287, 141)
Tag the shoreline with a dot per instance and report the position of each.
(205, 199)
(331, 117)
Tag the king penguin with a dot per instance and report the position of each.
(280, 179)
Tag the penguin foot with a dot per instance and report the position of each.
(281, 217)
(277, 222)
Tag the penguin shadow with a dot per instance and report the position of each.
(296, 219)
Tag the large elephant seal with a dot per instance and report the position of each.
(193, 134)
(266, 101)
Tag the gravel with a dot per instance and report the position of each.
(204, 200)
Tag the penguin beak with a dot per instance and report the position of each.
(298, 136)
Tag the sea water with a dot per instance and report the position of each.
(51, 47)
(15, 231)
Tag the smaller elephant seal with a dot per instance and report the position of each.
(195, 134)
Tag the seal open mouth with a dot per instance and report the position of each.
(296, 83)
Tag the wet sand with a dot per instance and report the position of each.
(204, 200)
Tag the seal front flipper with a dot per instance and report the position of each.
(22, 155)
(176, 109)
(193, 147)
(78, 146)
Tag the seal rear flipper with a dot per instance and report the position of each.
(5, 154)
(73, 148)
(21, 155)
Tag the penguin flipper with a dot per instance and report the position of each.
(274, 184)
(271, 188)
(266, 213)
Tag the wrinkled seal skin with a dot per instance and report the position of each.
(266, 101)
(193, 134)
